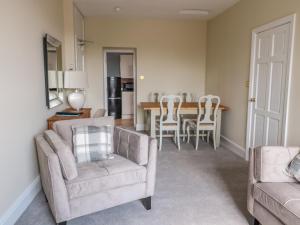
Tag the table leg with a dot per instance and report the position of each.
(218, 131)
(152, 124)
(147, 121)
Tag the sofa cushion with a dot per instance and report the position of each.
(294, 168)
(281, 199)
(92, 143)
(64, 127)
(95, 177)
(131, 145)
(64, 153)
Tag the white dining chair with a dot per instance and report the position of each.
(206, 119)
(186, 96)
(155, 96)
(170, 117)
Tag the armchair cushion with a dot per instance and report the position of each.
(101, 176)
(64, 153)
(294, 168)
(131, 145)
(64, 127)
(271, 163)
(281, 199)
(92, 143)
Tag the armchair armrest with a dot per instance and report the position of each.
(140, 149)
(52, 180)
(271, 163)
(131, 145)
(151, 167)
(268, 164)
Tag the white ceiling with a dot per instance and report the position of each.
(164, 9)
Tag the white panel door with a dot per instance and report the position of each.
(269, 86)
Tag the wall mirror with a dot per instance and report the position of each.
(53, 71)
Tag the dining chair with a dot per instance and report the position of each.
(206, 119)
(170, 117)
(186, 97)
(155, 96)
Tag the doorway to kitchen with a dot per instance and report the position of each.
(120, 85)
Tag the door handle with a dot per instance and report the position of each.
(252, 99)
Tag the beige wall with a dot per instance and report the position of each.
(23, 105)
(228, 59)
(170, 54)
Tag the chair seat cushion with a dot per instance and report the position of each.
(95, 177)
(281, 199)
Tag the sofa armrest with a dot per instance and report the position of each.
(268, 164)
(52, 180)
(151, 167)
(131, 145)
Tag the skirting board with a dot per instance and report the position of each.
(232, 146)
(22, 202)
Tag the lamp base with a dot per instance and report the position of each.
(76, 100)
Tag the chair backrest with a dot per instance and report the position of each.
(173, 105)
(208, 108)
(186, 96)
(64, 127)
(155, 96)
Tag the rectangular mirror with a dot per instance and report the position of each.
(54, 80)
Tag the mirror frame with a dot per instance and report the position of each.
(48, 39)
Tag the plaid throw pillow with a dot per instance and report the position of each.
(92, 143)
(294, 168)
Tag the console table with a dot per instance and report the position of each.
(84, 113)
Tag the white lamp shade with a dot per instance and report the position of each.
(76, 79)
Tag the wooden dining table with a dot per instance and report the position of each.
(152, 110)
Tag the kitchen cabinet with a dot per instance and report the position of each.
(126, 66)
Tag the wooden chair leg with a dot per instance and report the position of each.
(197, 139)
(147, 203)
(160, 139)
(207, 136)
(188, 134)
(203, 134)
(178, 139)
(175, 137)
(214, 139)
(184, 130)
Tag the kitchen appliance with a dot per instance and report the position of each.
(114, 100)
(127, 86)
(127, 98)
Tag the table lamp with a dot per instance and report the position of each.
(76, 80)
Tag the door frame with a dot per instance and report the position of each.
(120, 50)
(286, 20)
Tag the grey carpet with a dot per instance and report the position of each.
(203, 187)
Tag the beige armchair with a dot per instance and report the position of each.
(99, 185)
(273, 196)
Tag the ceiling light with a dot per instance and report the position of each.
(194, 12)
(117, 9)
